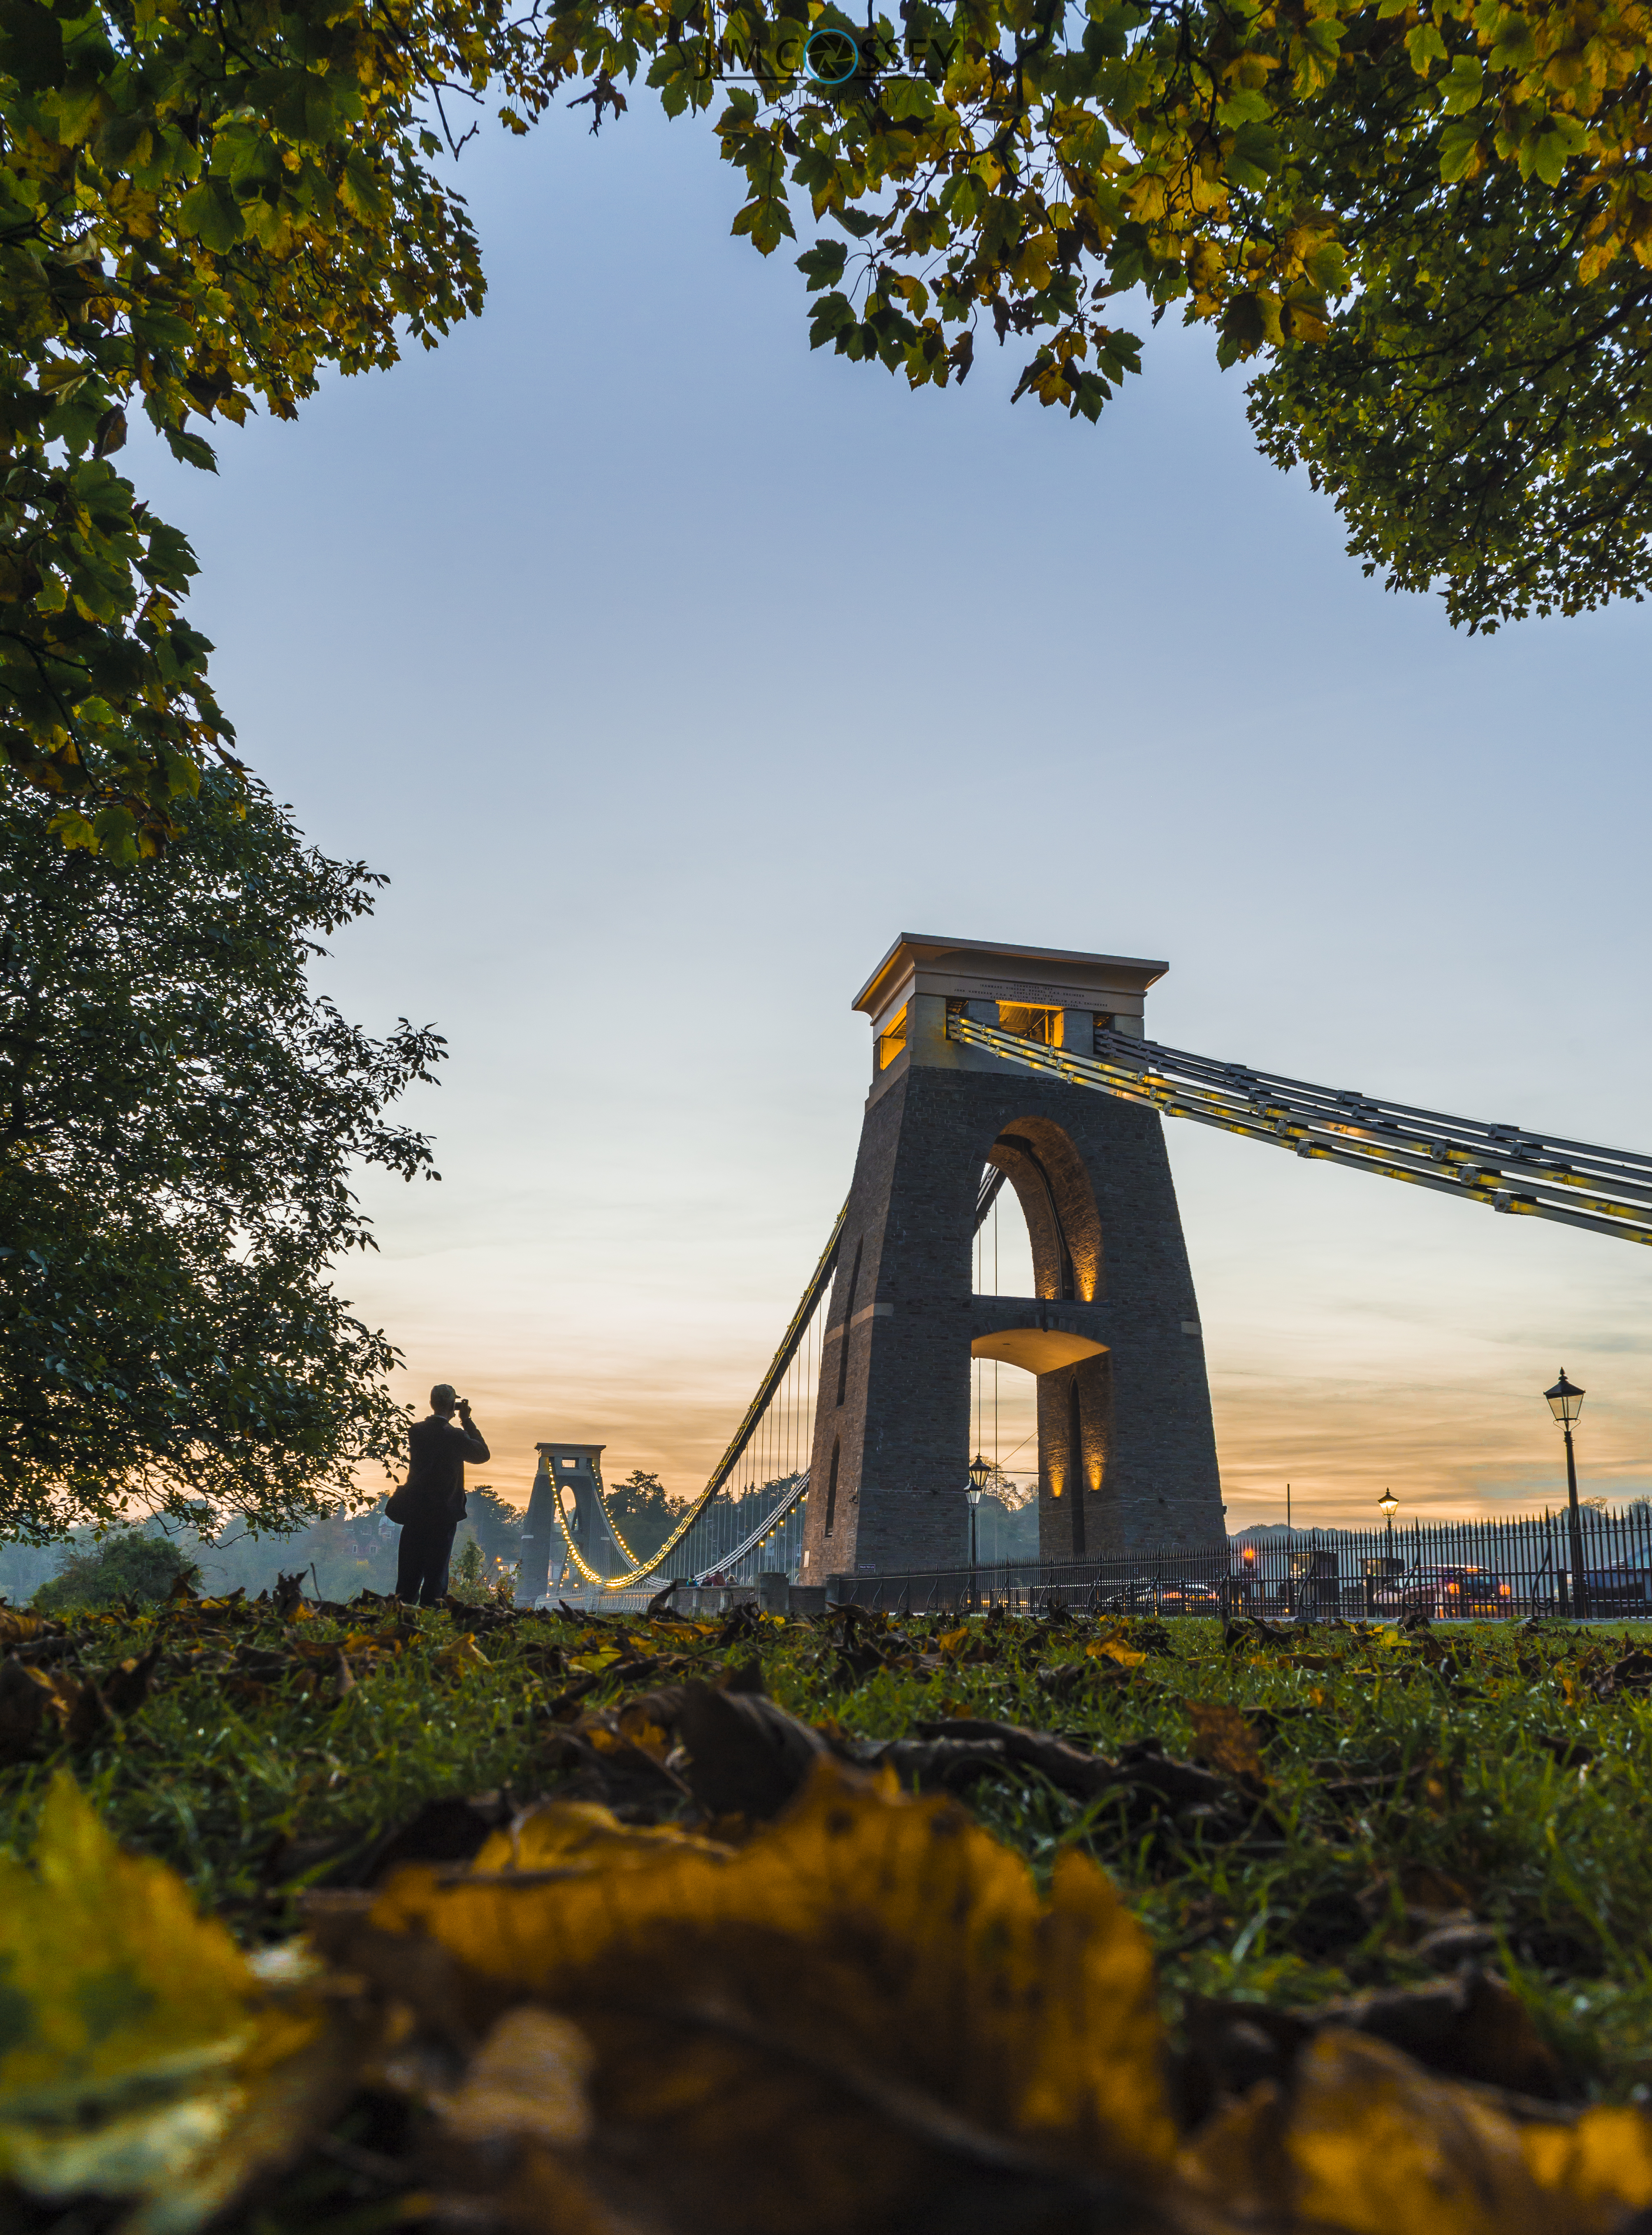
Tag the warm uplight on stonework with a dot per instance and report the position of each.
(892, 1039)
(1031, 1021)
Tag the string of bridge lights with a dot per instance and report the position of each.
(798, 1329)
(802, 1335)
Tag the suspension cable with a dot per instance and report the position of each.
(819, 1280)
(1528, 1175)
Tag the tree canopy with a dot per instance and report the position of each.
(179, 1119)
(1426, 223)
(644, 1510)
(127, 1565)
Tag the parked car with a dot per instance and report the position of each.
(1447, 1594)
(1185, 1597)
(1622, 1589)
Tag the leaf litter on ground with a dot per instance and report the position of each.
(733, 1931)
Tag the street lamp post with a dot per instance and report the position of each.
(1388, 1506)
(1387, 1567)
(974, 1489)
(1566, 1402)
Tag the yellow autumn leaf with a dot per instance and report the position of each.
(887, 1941)
(580, 1835)
(1376, 2143)
(304, 2064)
(370, 1641)
(1366, 2142)
(592, 1663)
(1602, 2166)
(955, 1641)
(463, 1653)
(1109, 1648)
(109, 1973)
(638, 1729)
(140, 2056)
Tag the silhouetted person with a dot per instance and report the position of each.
(435, 1494)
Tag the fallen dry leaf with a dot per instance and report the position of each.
(747, 1757)
(40, 1708)
(528, 2079)
(140, 2057)
(1601, 2165)
(579, 1835)
(1365, 2142)
(1225, 1739)
(18, 1628)
(1109, 1648)
(463, 1653)
(869, 1985)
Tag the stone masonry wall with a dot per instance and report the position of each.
(1146, 1467)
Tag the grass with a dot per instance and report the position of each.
(1492, 1769)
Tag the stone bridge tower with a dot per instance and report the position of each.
(578, 1468)
(1126, 1450)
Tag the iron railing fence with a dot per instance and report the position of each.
(585, 1601)
(1467, 1570)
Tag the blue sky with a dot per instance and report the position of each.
(671, 671)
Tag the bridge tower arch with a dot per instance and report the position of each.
(1126, 1447)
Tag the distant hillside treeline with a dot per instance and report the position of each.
(347, 1552)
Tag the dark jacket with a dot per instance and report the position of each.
(439, 1449)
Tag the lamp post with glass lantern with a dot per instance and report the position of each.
(980, 1475)
(1380, 1571)
(1566, 1402)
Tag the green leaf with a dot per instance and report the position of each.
(822, 265)
(1513, 47)
(190, 450)
(831, 315)
(766, 221)
(1463, 85)
(905, 97)
(1549, 150)
(31, 45)
(1328, 267)
(1458, 148)
(211, 212)
(74, 830)
(1253, 157)
(116, 831)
